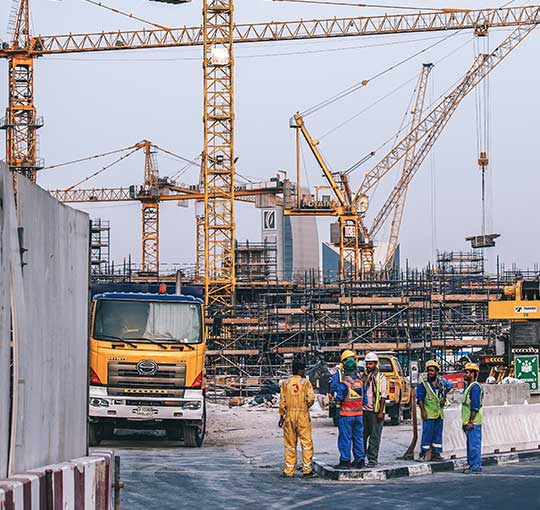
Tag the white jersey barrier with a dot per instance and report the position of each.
(84, 483)
(504, 429)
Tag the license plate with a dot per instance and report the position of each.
(144, 411)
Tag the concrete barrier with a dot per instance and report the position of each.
(81, 484)
(505, 429)
(505, 394)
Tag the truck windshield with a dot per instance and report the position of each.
(150, 321)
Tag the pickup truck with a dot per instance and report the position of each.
(398, 401)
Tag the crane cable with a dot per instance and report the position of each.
(376, 6)
(88, 158)
(353, 88)
(127, 14)
(103, 169)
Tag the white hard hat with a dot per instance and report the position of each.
(371, 356)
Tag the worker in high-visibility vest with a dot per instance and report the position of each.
(296, 397)
(431, 398)
(338, 376)
(472, 417)
(375, 388)
(350, 395)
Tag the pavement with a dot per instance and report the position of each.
(239, 467)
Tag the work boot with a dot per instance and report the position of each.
(311, 474)
(359, 465)
(469, 471)
(371, 464)
(284, 475)
(437, 457)
(343, 464)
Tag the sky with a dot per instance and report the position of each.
(100, 102)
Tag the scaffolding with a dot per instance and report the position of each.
(417, 315)
(100, 243)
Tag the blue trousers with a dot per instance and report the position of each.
(432, 435)
(351, 436)
(474, 448)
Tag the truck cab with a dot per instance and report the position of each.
(147, 365)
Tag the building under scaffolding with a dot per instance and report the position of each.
(420, 315)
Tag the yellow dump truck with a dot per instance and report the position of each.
(147, 366)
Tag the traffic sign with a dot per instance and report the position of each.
(526, 368)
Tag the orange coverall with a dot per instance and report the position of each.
(297, 396)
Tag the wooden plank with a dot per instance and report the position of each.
(233, 352)
(374, 300)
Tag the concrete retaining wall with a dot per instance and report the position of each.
(505, 394)
(52, 358)
(82, 484)
(505, 428)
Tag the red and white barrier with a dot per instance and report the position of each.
(81, 484)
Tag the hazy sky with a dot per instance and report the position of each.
(103, 101)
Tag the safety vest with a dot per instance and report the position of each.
(377, 396)
(432, 404)
(466, 406)
(353, 403)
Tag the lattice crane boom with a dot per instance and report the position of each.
(283, 30)
(408, 160)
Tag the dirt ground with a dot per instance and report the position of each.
(254, 433)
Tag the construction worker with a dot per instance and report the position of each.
(297, 397)
(375, 389)
(350, 395)
(431, 398)
(471, 418)
(338, 375)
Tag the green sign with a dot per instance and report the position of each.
(526, 368)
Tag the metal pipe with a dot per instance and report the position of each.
(49, 492)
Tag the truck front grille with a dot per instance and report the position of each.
(168, 381)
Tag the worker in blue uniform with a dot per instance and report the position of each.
(431, 398)
(350, 396)
(338, 376)
(472, 418)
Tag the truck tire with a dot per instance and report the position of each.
(407, 411)
(395, 413)
(95, 434)
(194, 434)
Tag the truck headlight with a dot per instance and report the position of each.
(99, 402)
(192, 404)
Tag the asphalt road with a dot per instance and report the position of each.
(159, 475)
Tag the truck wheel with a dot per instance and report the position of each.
(395, 415)
(95, 434)
(194, 434)
(407, 411)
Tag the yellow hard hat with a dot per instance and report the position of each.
(472, 366)
(347, 354)
(432, 363)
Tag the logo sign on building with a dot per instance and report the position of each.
(526, 369)
(269, 220)
(525, 309)
(414, 372)
(349, 231)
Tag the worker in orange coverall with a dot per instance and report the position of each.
(297, 396)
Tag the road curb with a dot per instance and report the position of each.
(418, 469)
